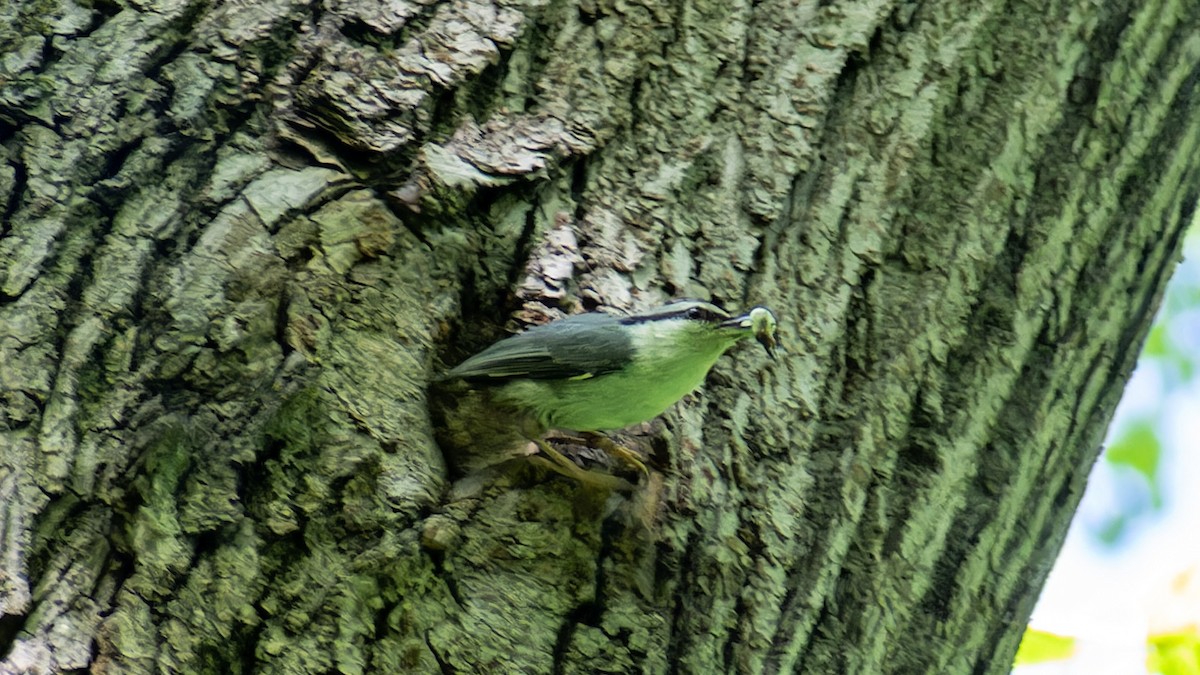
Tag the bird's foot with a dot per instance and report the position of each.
(555, 461)
(617, 451)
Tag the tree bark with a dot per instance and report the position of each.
(238, 239)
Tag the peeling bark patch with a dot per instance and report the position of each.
(377, 103)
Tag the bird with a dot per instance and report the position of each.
(587, 373)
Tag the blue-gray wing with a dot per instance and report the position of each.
(577, 346)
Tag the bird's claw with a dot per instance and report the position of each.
(617, 451)
(557, 462)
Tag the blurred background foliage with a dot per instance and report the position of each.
(1134, 544)
(1135, 451)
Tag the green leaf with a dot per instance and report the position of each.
(1176, 653)
(1038, 646)
(1139, 449)
(1156, 342)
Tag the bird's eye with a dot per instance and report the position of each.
(695, 313)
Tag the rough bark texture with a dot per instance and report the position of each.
(238, 238)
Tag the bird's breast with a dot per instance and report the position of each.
(621, 399)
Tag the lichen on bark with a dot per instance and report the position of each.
(238, 240)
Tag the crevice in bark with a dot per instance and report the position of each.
(684, 571)
(438, 559)
(524, 245)
(445, 113)
(19, 187)
(282, 312)
(10, 626)
(534, 41)
(579, 186)
(443, 667)
(589, 612)
(734, 638)
(937, 599)
(804, 661)
(583, 613)
(482, 94)
(635, 114)
(358, 31)
(86, 219)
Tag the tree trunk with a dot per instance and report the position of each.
(239, 239)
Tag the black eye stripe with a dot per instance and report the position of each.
(694, 312)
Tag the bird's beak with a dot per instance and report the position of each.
(762, 323)
(768, 342)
